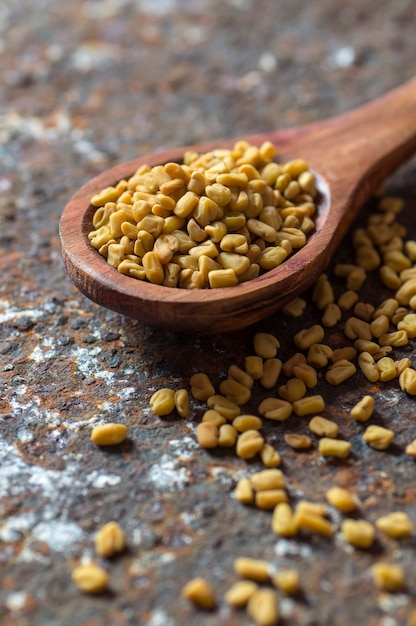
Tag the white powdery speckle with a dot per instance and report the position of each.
(168, 475)
(58, 535)
(88, 364)
(99, 480)
(16, 600)
(284, 548)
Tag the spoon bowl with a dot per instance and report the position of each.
(350, 155)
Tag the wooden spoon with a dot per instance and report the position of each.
(351, 154)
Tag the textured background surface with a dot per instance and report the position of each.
(85, 85)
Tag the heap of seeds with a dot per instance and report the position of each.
(216, 220)
(371, 334)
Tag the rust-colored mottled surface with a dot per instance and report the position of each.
(86, 85)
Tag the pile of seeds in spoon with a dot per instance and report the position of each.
(216, 220)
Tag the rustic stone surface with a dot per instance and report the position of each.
(87, 84)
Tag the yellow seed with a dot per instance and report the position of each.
(347, 300)
(363, 410)
(340, 371)
(323, 427)
(109, 540)
(262, 607)
(395, 525)
(201, 386)
(207, 434)
(411, 449)
(253, 569)
(331, 315)
(275, 409)
(308, 336)
(200, 593)
(348, 352)
(319, 355)
(294, 308)
(402, 364)
(182, 402)
(408, 323)
(407, 381)
(254, 366)
(162, 401)
(298, 442)
(227, 436)
(240, 592)
(240, 376)
(242, 423)
(249, 444)
(295, 359)
(269, 456)
(386, 368)
(307, 520)
(244, 491)
(341, 499)
(110, 434)
(268, 479)
(388, 577)
(294, 389)
(213, 416)
(109, 194)
(308, 405)
(336, 448)
(378, 437)
(268, 499)
(271, 372)
(359, 533)
(222, 278)
(235, 391)
(287, 581)
(355, 328)
(90, 578)
(283, 521)
(396, 339)
(224, 406)
(368, 366)
(306, 373)
(266, 345)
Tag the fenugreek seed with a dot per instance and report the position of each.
(90, 578)
(266, 345)
(396, 339)
(322, 292)
(295, 307)
(287, 581)
(162, 401)
(240, 376)
(213, 416)
(294, 389)
(354, 328)
(249, 444)
(387, 308)
(364, 345)
(298, 442)
(222, 278)
(201, 386)
(386, 368)
(275, 409)
(411, 449)
(308, 405)
(378, 437)
(283, 521)
(262, 607)
(388, 577)
(254, 366)
(110, 434)
(227, 436)
(253, 569)
(240, 593)
(308, 336)
(348, 353)
(269, 456)
(407, 381)
(406, 292)
(323, 427)
(340, 371)
(235, 391)
(269, 498)
(271, 372)
(207, 434)
(402, 364)
(347, 300)
(109, 540)
(368, 366)
(307, 520)
(380, 325)
(306, 373)
(358, 533)
(247, 422)
(295, 359)
(341, 499)
(319, 354)
(244, 491)
(200, 593)
(408, 323)
(396, 525)
(363, 410)
(182, 402)
(268, 479)
(336, 448)
(224, 406)
(367, 257)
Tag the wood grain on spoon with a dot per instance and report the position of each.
(351, 154)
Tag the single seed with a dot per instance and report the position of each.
(268, 479)
(266, 345)
(110, 434)
(336, 448)
(109, 540)
(240, 593)
(207, 434)
(283, 521)
(341, 499)
(388, 577)
(287, 581)
(298, 442)
(162, 401)
(253, 569)
(200, 593)
(90, 578)
(249, 444)
(308, 405)
(363, 410)
(201, 386)
(262, 607)
(359, 533)
(244, 491)
(378, 437)
(395, 525)
(323, 427)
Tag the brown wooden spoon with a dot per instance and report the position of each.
(351, 154)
